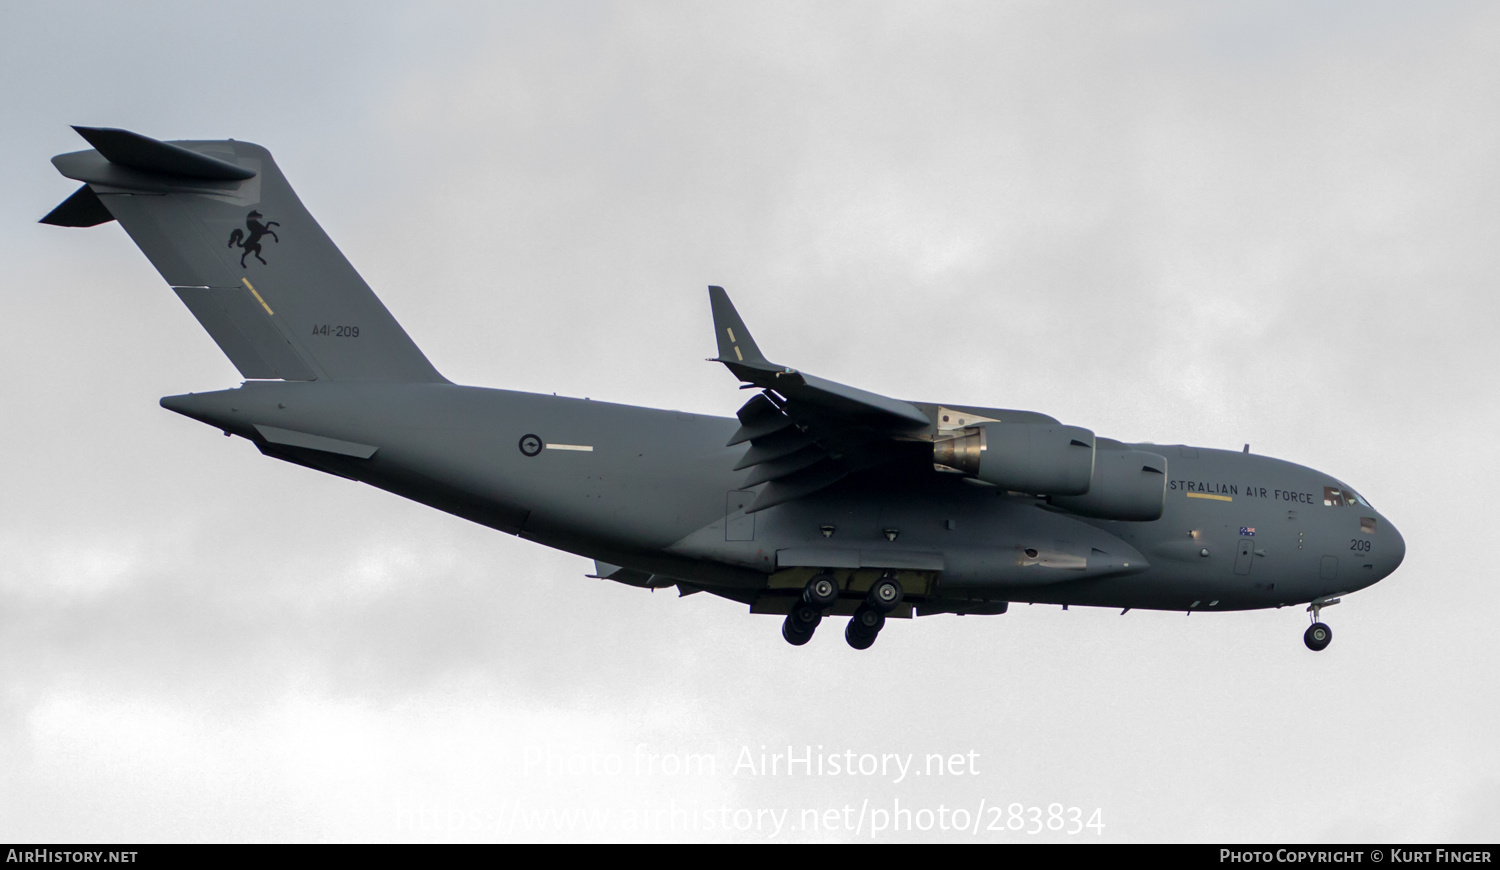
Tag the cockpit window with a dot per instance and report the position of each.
(1339, 496)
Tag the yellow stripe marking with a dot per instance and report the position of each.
(737, 355)
(730, 330)
(257, 297)
(1206, 495)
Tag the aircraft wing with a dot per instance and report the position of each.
(805, 432)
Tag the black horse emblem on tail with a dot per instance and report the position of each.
(251, 243)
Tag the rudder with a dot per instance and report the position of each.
(221, 224)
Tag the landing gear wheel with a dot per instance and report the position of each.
(858, 638)
(793, 634)
(864, 627)
(868, 619)
(885, 594)
(1317, 637)
(821, 591)
(805, 616)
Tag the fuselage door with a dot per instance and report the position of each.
(738, 525)
(1245, 556)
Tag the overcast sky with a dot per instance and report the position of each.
(1272, 223)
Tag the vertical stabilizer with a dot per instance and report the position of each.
(220, 223)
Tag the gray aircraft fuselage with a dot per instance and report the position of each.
(655, 493)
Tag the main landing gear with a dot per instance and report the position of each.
(1318, 635)
(801, 623)
(864, 627)
(822, 592)
(869, 619)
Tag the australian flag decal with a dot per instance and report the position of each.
(1247, 531)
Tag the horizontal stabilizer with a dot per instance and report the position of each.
(82, 209)
(132, 150)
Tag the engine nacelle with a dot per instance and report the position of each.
(1037, 458)
(1127, 485)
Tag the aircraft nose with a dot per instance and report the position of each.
(1393, 549)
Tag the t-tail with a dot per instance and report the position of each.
(220, 223)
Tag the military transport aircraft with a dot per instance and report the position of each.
(816, 500)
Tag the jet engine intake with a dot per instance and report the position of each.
(1037, 458)
(1126, 485)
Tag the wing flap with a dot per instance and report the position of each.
(758, 418)
(785, 466)
(773, 447)
(795, 486)
(805, 432)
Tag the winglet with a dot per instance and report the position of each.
(736, 347)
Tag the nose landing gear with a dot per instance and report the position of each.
(1318, 635)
